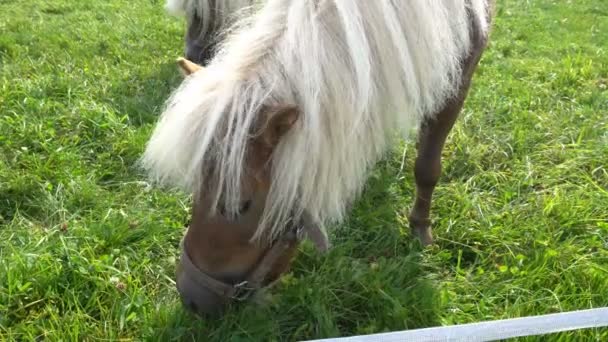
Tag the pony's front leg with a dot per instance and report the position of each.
(427, 171)
(433, 133)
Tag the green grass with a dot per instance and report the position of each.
(87, 249)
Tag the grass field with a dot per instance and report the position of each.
(88, 248)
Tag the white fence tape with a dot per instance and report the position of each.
(493, 330)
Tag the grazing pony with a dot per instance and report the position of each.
(276, 134)
(208, 21)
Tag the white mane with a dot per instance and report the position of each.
(360, 72)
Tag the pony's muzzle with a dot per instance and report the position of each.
(197, 298)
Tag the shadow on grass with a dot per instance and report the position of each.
(373, 280)
(139, 95)
(142, 94)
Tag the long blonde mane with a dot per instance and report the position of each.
(361, 73)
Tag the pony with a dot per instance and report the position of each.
(208, 21)
(278, 123)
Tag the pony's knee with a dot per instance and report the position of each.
(427, 171)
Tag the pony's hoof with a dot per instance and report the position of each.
(425, 236)
(422, 228)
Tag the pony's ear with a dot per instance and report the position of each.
(187, 67)
(279, 120)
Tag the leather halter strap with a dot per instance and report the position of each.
(255, 281)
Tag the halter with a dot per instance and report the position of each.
(255, 281)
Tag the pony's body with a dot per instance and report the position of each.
(359, 74)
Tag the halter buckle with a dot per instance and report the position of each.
(243, 291)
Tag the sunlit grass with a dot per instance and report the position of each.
(88, 248)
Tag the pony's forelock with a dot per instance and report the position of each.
(360, 72)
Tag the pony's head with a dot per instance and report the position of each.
(225, 256)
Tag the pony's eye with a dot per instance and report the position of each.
(242, 210)
(244, 207)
